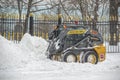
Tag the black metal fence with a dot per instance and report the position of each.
(12, 30)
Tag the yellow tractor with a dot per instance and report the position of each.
(77, 44)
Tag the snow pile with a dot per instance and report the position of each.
(10, 54)
(35, 45)
(14, 56)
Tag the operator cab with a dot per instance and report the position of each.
(75, 33)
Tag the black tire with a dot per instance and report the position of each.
(50, 57)
(53, 57)
(70, 54)
(91, 54)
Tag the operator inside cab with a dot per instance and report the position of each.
(63, 33)
(54, 34)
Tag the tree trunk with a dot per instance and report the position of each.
(27, 16)
(95, 15)
(19, 10)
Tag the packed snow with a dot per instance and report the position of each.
(27, 61)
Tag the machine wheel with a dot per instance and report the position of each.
(70, 57)
(55, 57)
(50, 57)
(91, 57)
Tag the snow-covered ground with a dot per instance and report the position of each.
(27, 61)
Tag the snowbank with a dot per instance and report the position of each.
(15, 56)
(35, 45)
(10, 54)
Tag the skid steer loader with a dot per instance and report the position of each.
(77, 44)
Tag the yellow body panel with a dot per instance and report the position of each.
(101, 51)
(76, 31)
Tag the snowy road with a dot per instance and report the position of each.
(42, 75)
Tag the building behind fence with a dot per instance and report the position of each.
(12, 30)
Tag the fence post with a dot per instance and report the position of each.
(59, 16)
(31, 24)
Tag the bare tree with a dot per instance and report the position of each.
(90, 9)
(5, 5)
(30, 4)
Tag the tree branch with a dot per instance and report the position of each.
(37, 2)
(45, 9)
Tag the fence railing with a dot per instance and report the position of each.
(12, 30)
